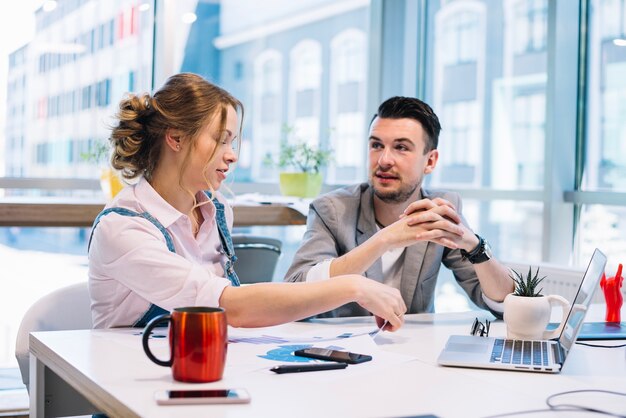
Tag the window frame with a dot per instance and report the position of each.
(397, 64)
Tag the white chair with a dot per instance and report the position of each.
(64, 309)
(256, 257)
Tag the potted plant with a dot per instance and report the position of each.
(527, 312)
(109, 180)
(305, 161)
(527, 287)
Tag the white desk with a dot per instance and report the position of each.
(102, 368)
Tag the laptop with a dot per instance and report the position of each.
(546, 356)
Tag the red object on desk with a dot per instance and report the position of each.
(613, 295)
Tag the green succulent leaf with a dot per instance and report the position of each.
(527, 286)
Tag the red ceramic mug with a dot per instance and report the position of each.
(198, 341)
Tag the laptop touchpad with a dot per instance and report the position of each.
(467, 348)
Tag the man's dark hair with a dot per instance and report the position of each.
(399, 107)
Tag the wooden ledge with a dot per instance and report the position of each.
(60, 213)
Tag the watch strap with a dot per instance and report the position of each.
(477, 255)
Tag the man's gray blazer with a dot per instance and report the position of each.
(343, 219)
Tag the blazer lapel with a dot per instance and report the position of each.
(413, 260)
(365, 229)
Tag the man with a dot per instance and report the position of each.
(393, 231)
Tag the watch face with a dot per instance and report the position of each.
(484, 253)
(487, 250)
(479, 255)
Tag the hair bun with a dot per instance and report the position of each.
(139, 104)
(186, 103)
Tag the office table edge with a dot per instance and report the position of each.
(92, 392)
(99, 397)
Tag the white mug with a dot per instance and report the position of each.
(526, 318)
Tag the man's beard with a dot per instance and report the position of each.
(398, 196)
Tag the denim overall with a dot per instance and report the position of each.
(227, 242)
(227, 249)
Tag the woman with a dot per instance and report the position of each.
(164, 242)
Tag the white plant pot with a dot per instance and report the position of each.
(526, 317)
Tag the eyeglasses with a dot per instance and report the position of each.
(480, 329)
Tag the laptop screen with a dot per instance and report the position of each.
(582, 300)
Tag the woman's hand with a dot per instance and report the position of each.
(383, 301)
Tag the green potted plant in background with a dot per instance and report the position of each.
(305, 160)
(527, 312)
(109, 180)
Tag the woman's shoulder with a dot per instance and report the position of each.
(123, 208)
(126, 198)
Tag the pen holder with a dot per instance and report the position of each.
(527, 318)
(613, 295)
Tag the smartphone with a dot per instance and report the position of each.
(201, 396)
(333, 355)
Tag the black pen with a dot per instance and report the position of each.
(311, 367)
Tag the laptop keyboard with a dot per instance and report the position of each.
(531, 353)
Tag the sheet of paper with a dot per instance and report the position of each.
(304, 333)
(299, 204)
(254, 351)
(246, 357)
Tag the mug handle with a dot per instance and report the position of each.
(558, 300)
(146, 335)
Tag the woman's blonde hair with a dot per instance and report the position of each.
(186, 103)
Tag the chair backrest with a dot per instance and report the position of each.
(256, 257)
(64, 309)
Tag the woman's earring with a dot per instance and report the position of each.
(177, 147)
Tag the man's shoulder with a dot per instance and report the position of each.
(347, 192)
(443, 194)
(341, 199)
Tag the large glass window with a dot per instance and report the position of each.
(296, 65)
(304, 91)
(530, 25)
(603, 227)
(512, 126)
(491, 97)
(528, 133)
(604, 170)
(496, 100)
(63, 82)
(513, 228)
(458, 48)
(487, 80)
(610, 16)
(460, 34)
(605, 167)
(348, 73)
(267, 120)
(460, 145)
